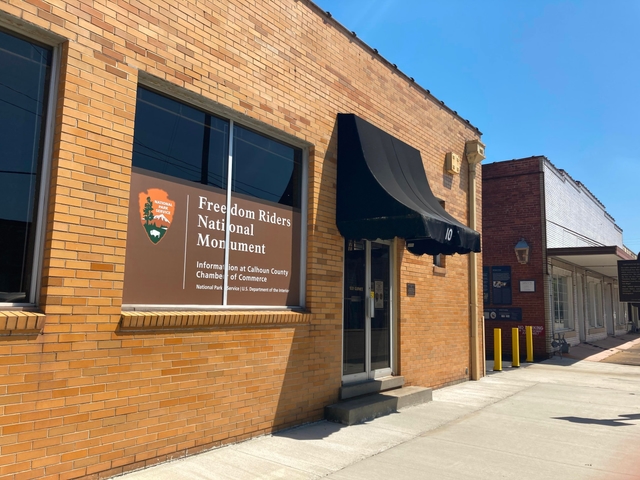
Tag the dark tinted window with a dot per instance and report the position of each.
(265, 168)
(24, 80)
(179, 140)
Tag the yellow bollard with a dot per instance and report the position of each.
(529, 331)
(497, 350)
(515, 347)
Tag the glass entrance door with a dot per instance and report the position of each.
(367, 325)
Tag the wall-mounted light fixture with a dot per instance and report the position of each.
(522, 251)
(452, 163)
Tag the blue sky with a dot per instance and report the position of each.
(554, 78)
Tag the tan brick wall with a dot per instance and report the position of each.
(87, 398)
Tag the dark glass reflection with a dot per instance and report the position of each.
(24, 82)
(381, 321)
(355, 295)
(266, 169)
(179, 140)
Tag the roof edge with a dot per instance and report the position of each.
(605, 250)
(353, 37)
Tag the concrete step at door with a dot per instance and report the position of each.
(361, 409)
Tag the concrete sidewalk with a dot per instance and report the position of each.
(603, 350)
(564, 418)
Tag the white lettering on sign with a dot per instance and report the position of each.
(204, 222)
(252, 278)
(205, 204)
(449, 234)
(210, 266)
(214, 275)
(280, 272)
(268, 217)
(257, 270)
(206, 241)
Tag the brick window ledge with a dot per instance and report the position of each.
(21, 322)
(205, 319)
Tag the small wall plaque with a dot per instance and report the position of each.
(527, 285)
(513, 314)
(411, 289)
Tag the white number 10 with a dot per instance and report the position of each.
(448, 234)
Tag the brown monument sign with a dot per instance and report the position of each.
(177, 258)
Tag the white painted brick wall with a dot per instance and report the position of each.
(574, 217)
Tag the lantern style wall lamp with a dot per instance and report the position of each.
(522, 251)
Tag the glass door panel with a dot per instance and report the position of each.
(381, 318)
(354, 341)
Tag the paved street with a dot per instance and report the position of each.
(576, 417)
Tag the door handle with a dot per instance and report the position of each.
(372, 305)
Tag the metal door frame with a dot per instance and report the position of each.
(370, 374)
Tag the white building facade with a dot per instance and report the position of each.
(583, 246)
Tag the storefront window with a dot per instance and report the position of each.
(24, 87)
(191, 241)
(619, 310)
(562, 312)
(180, 141)
(594, 304)
(266, 169)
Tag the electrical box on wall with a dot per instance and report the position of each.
(452, 163)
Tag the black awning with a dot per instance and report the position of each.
(383, 193)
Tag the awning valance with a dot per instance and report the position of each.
(383, 193)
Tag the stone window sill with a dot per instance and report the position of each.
(567, 332)
(164, 320)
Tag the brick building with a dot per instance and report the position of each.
(568, 285)
(174, 268)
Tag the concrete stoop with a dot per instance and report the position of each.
(368, 407)
(366, 387)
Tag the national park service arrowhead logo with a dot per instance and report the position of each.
(156, 213)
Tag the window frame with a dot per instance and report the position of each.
(567, 323)
(595, 300)
(208, 106)
(619, 308)
(54, 43)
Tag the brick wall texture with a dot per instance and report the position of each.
(87, 398)
(513, 208)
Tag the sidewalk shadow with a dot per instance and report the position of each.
(611, 422)
(565, 360)
(312, 375)
(311, 431)
(505, 368)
